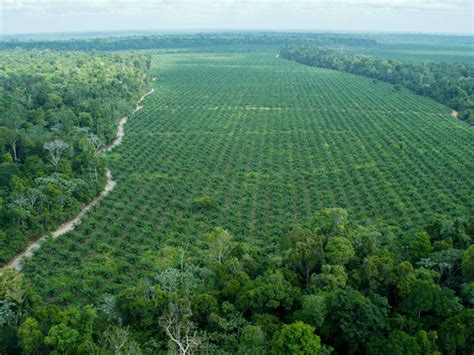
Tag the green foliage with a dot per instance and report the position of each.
(313, 310)
(400, 343)
(331, 278)
(252, 341)
(304, 251)
(468, 264)
(330, 221)
(52, 105)
(456, 334)
(204, 203)
(420, 48)
(415, 246)
(431, 300)
(378, 272)
(31, 336)
(191, 41)
(270, 291)
(73, 332)
(269, 141)
(455, 232)
(467, 293)
(220, 308)
(62, 339)
(258, 148)
(447, 83)
(12, 286)
(297, 338)
(353, 318)
(339, 251)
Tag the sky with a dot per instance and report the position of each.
(415, 16)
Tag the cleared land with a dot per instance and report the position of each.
(256, 144)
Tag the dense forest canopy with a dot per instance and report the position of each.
(57, 110)
(331, 287)
(449, 83)
(191, 41)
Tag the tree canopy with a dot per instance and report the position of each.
(57, 109)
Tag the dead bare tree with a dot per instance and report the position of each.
(179, 328)
(117, 341)
(219, 242)
(96, 142)
(55, 148)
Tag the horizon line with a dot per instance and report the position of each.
(191, 30)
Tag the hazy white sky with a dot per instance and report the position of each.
(33, 16)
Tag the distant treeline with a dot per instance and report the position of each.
(415, 39)
(190, 41)
(57, 110)
(451, 84)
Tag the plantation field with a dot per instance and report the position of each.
(257, 144)
(421, 52)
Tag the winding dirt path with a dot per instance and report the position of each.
(123, 121)
(17, 261)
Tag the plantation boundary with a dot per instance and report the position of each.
(17, 261)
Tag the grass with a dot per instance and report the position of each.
(257, 144)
